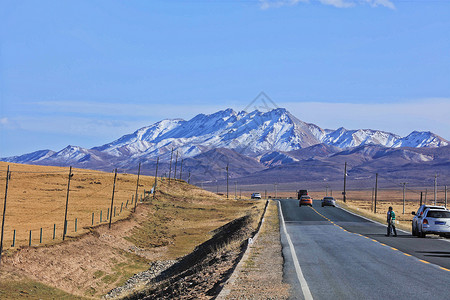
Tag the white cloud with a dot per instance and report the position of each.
(266, 4)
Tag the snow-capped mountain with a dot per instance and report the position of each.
(424, 139)
(265, 136)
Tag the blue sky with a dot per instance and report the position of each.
(87, 72)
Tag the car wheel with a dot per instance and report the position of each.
(413, 231)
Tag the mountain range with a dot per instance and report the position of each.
(255, 145)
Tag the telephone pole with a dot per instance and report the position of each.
(404, 186)
(137, 187)
(156, 177)
(345, 182)
(435, 188)
(67, 203)
(112, 199)
(376, 193)
(170, 165)
(227, 181)
(176, 162)
(8, 174)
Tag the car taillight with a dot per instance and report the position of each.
(425, 221)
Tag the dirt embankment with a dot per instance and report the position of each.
(167, 228)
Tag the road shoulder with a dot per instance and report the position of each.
(261, 274)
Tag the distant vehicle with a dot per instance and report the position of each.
(305, 200)
(300, 193)
(328, 201)
(435, 221)
(256, 196)
(418, 217)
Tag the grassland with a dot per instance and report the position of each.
(95, 259)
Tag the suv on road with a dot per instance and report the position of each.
(435, 221)
(256, 196)
(418, 217)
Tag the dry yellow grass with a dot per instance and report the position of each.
(180, 218)
(37, 198)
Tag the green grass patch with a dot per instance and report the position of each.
(29, 289)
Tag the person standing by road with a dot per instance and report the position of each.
(391, 222)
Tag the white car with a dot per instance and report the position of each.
(256, 196)
(434, 221)
(418, 217)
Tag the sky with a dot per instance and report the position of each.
(87, 72)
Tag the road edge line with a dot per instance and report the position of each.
(303, 284)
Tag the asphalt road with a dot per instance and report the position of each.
(343, 256)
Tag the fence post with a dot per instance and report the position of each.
(8, 175)
(54, 231)
(40, 237)
(114, 211)
(107, 215)
(126, 205)
(29, 243)
(14, 239)
(101, 216)
(121, 207)
(92, 219)
(76, 221)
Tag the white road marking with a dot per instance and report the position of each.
(298, 270)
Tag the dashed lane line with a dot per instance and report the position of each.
(395, 249)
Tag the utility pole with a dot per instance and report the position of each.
(137, 186)
(445, 195)
(112, 199)
(170, 165)
(327, 190)
(67, 203)
(181, 168)
(435, 188)
(376, 192)
(8, 175)
(421, 196)
(189, 178)
(404, 185)
(371, 207)
(345, 182)
(156, 177)
(235, 190)
(227, 181)
(176, 162)
(275, 190)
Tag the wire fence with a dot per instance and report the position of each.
(36, 202)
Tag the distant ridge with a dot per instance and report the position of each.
(253, 141)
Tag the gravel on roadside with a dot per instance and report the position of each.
(261, 274)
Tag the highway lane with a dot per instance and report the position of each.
(343, 256)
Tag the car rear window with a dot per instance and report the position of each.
(328, 198)
(438, 214)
